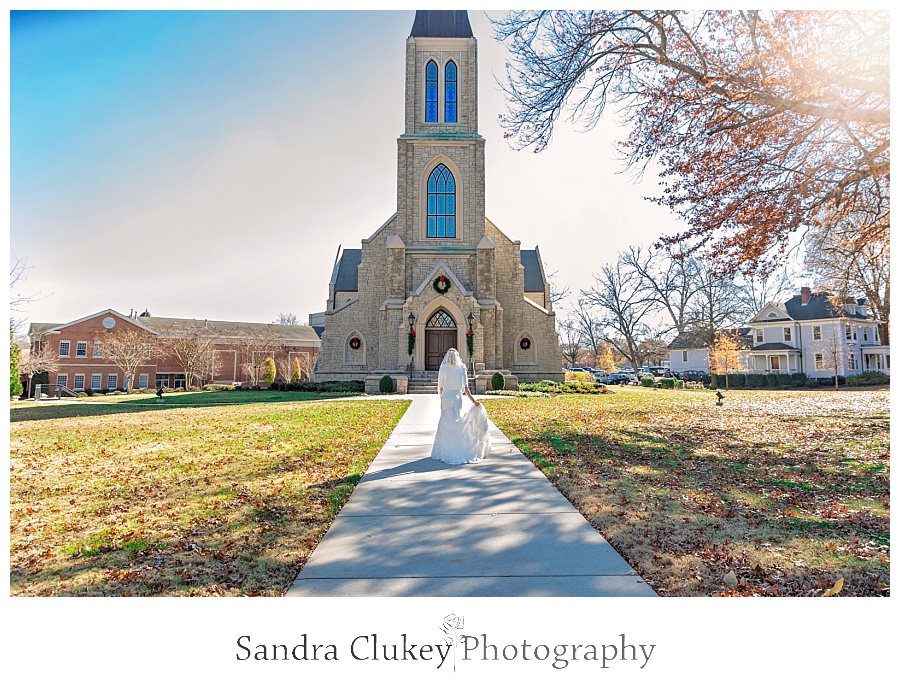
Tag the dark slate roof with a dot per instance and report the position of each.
(441, 24)
(819, 307)
(347, 274)
(534, 280)
(690, 340)
(698, 340)
(774, 346)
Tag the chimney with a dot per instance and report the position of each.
(804, 295)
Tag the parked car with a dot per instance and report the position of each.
(619, 378)
(601, 377)
(692, 375)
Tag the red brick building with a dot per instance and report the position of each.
(232, 352)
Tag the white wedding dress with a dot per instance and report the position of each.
(462, 432)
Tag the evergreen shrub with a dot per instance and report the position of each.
(497, 381)
(648, 381)
(386, 384)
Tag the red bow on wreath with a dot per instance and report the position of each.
(412, 332)
(441, 281)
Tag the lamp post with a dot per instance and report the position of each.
(470, 339)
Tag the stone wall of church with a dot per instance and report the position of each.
(544, 360)
(367, 317)
(420, 267)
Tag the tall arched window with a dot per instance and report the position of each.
(441, 203)
(450, 92)
(431, 91)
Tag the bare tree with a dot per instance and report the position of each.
(287, 319)
(570, 341)
(654, 349)
(670, 280)
(557, 292)
(755, 291)
(717, 302)
(294, 364)
(590, 330)
(38, 359)
(851, 266)
(18, 300)
(193, 346)
(129, 348)
(255, 346)
(624, 307)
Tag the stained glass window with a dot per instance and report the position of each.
(431, 92)
(441, 203)
(450, 92)
(441, 319)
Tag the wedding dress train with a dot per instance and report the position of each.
(462, 432)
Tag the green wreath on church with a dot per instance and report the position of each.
(441, 284)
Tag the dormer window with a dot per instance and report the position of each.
(772, 315)
(431, 91)
(450, 92)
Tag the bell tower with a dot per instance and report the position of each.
(440, 156)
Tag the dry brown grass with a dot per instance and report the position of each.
(788, 490)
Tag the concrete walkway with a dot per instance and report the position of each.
(417, 527)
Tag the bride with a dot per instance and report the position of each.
(462, 436)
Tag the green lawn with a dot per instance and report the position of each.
(159, 499)
(787, 490)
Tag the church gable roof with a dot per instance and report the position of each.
(347, 278)
(534, 274)
(441, 24)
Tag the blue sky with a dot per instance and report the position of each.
(208, 164)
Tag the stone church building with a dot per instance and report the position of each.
(438, 273)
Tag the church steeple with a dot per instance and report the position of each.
(441, 76)
(441, 24)
(440, 171)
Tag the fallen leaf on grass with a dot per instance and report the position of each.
(836, 589)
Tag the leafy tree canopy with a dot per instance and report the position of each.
(763, 122)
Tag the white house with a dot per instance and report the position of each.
(812, 334)
(808, 333)
(690, 350)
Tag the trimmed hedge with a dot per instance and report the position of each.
(668, 383)
(386, 384)
(551, 387)
(497, 381)
(648, 381)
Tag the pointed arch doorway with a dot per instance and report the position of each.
(440, 335)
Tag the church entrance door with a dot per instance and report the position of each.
(440, 335)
